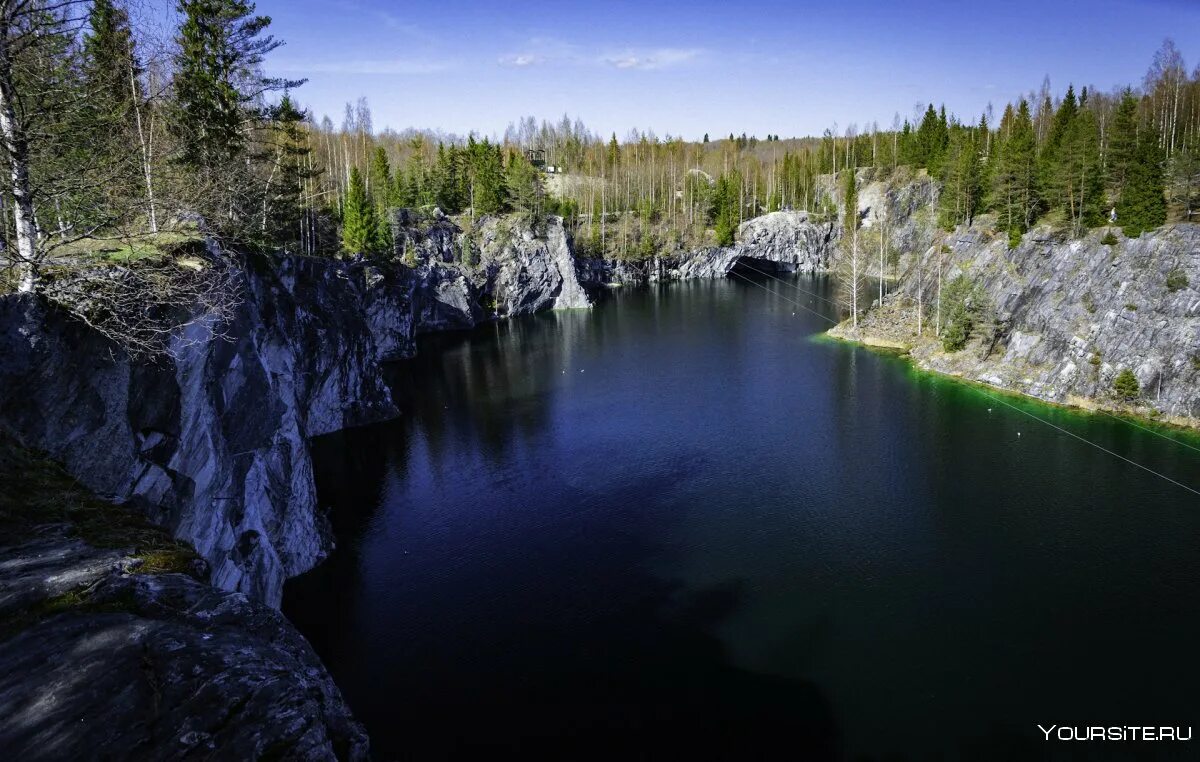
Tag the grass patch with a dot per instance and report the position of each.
(38, 491)
(125, 250)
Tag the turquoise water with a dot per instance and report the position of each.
(678, 526)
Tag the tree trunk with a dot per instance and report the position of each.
(16, 146)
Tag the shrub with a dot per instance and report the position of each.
(1196, 362)
(1089, 302)
(1126, 386)
(966, 307)
(1109, 239)
(1131, 307)
(1014, 237)
(1177, 280)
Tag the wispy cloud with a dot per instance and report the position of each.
(659, 58)
(521, 59)
(371, 66)
(539, 51)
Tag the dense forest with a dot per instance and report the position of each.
(118, 139)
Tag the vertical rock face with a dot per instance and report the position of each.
(791, 241)
(213, 441)
(1071, 315)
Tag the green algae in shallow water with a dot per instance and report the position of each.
(1051, 412)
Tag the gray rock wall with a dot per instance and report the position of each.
(213, 442)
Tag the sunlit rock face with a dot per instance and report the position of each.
(213, 440)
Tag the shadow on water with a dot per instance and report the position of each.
(525, 670)
(676, 526)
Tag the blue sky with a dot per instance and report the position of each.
(792, 68)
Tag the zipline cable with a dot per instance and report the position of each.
(781, 296)
(1093, 444)
(793, 285)
(995, 398)
(1148, 430)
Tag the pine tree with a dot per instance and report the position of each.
(1052, 176)
(218, 84)
(523, 183)
(850, 201)
(359, 226)
(446, 182)
(109, 68)
(286, 218)
(486, 178)
(1122, 145)
(1015, 182)
(1143, 206)
(962, 187)
(111, 73)
(726, 202)
(1076, 178)
(380, 177)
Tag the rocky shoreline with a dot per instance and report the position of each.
(1066, 318)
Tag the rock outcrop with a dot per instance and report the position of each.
(1068, 316)
(213, 441)
(113, 645)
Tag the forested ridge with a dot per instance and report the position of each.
(120, 141)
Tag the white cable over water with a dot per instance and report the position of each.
(991, 396)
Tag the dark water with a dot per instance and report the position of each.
(681, 527)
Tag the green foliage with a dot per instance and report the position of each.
(850, 201)
(1015, 182)
(485, 172)
(523, 183)
(1070, 165)
(284, 212)
(359, 225)
(1177, 280)
(962, 177)
(929, 145)
(1126, 387)
(1014, 237)
(727, 207)
(1142, 205)
(1109, 239)
(966, 307)
(1089, 302)
(217, 82)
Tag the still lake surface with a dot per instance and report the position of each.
(682, 526)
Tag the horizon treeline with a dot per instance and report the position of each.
(1080, 158)
(112, 131)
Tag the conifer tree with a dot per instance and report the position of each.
(1122, 145)
(380, 187)
(1143, 206)
(962, 186)
(359, 226)
(286, 218)
(218, 84)
(1015, 183)
(1076, 178)
(486, 178)
(446, 183)
(110, 73)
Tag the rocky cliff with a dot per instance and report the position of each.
(1063, 317)
(212, 440)
(113, 645)
(785, 241)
